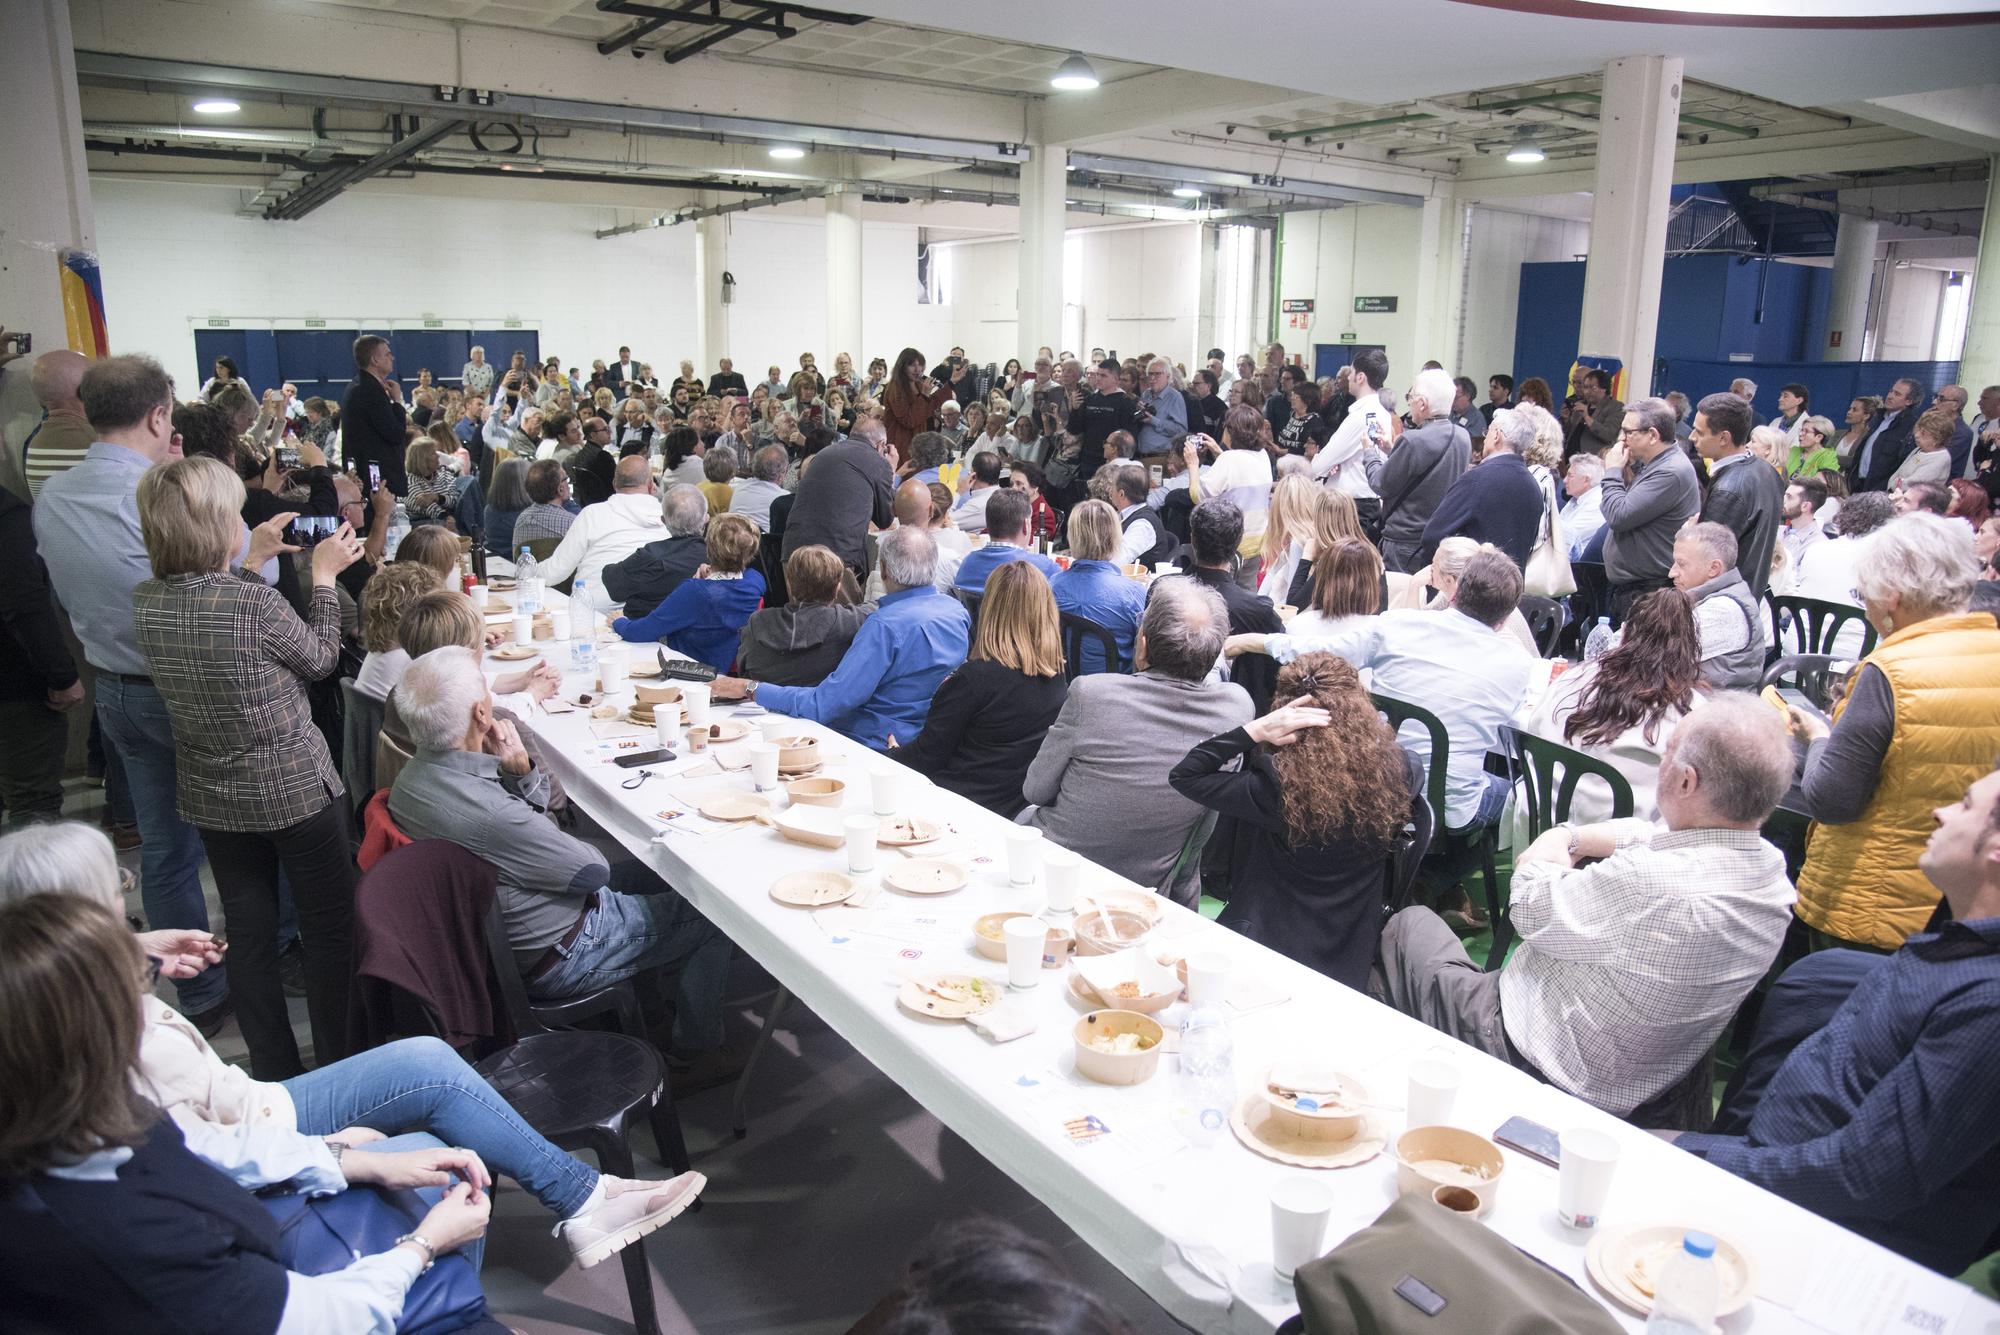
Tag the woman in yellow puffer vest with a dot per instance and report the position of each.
(1920, 722)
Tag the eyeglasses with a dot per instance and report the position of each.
(1633, 430)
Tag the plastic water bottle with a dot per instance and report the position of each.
(1688, 1290)
(527, 582)
(1207, 1074)
(1600, 641)
(582, 628)
(399, 528)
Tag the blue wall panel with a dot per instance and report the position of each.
(502, 344)
(1547, 322)
(1831, 386)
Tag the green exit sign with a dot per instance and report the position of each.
(214, 323)
(315, 324)
(434, 324)
(510, 324)
(1347, 336)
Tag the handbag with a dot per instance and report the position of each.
(318, 1235)
(1548, 574)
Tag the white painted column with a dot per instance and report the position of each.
(711, 258)
(45, 208)
(1628, 219)
(1979, 365)
(1039, 296)
(843, 278)
(1853, 277)
(1440, 284)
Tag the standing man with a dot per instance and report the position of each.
(39, 688)
(1464, 412)
(1891, 435)
(87, 524)
(1595, 416)
(620, 371)
(1498, 502)
(1983, 466)
(727, 381)
(1422, 465)
(1218, 365)
(1746, 390)
(1499, 394)
(1643, 511)
(470, 429)
(1163, 415)
(1278, 407)
(476, 377)
(849, 486)
(63, 435)
(1107, 408)
(373, 420)
(1952, 398)
(1745, 494)
(1342, 463)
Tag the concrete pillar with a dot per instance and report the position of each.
(843, 278)
(1039, 298)
(711, 258)
(46, 208)
(1853, 278)
(1979, 364)
(1628, 217)
(1440, 284)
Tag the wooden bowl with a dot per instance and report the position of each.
(987, 934)
(1111, 931)
(1333, 1110)
(796, 753)
(1429, 1157)
(1118, 1068)
(817, 792)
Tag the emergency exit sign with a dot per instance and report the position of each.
(1375, 305)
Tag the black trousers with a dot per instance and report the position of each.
(317, 855)
(31, 761)
(1624, 595)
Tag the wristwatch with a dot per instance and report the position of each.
(336, 1148)
(430, 1252)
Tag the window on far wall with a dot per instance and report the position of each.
(934, 270)
(1952, 313)
(1239, 297)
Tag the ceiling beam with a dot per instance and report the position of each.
(1968, 116)
(1235, 182)
(1158, 101)
(323, 186)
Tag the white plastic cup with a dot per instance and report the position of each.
(1024, 854)
(763, 766)
(886, 788)
(695, 698)
(1025, 938)
(773, 726)
(861, 834)
(1062, 873)
(479, 594)
(1208, 979)
(1300, 1208)
(559, 620)
(1589, 1158)
(1433, 1089)
(524, 628)
(666, 726)
(1165, 568)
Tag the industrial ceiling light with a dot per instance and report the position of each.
(1074, 75)
(1187, 192)
(1525, 149)
(787, 152)
(217, 106)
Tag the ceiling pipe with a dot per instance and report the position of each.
(1429, 109)
(1922, 220)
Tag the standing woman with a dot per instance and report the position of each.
(233, 663)
(1859, 414)
(910, 401)
(1305, 430)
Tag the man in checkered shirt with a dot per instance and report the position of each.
(1629, 968)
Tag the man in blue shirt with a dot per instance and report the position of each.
(1886, 1119)
(885, 681)
(1007, 540)
(1163, 423)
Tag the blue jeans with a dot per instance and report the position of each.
(135, 724)
(627, 934)
(420, 1084)
(1492, 802)
(474, 1251)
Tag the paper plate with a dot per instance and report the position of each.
(925, 876)
(501, 582)
(1616, 1256)
(904, 831)
(729, 730)
(733, 806)
(916, 997)
(812, 889)
(514, 653)
(1256, 1125)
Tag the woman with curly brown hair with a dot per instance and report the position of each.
(1322, 792)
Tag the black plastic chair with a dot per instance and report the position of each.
(1814, 625)
(970, 601)
(770, 563)
(1545, 621)
(1407, 854)
(1811, 675)
(1458, 846)
(1079, 631)
(1548, 773)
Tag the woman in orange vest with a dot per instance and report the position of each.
(1919, 723)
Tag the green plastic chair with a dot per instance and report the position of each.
(1451, 846)
(1814, 625)
(1547, 774)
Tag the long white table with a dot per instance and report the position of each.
(1188, 1223)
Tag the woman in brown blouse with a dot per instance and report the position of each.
(233, 661)
(910, 400)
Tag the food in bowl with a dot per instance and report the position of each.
(1121, 1044)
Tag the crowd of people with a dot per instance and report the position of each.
(1152, 612)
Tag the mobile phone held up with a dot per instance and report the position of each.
(309, 529)
(288, 459)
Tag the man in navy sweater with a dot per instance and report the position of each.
(1497, 501)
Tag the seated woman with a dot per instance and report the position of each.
(1095, 589)
(988, 718)
(386, 597)
(1346, 587)
(800, 643)
(704, 617)
(1334, 520)
(1320, 795)
(433, 545)
(506, 498)
(1447, 564)
(399, 1100)
(718, 469)
(430, 481)
(1621, 708)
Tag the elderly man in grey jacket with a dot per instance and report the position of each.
(1423, 463)
(1099, 784)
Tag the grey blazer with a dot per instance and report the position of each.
(1099, 784)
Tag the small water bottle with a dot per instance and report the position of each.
(527, 582)
(1688, 1290)
(1600, 641)
(1207, 1074)
(399, 528)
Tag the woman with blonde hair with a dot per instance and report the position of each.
(1335, 520)
(1447, 564)
(384, 599)
(988, 718)
(1095, 589)
(802, 642)
(1294, 512)
(1814, 450)
(704, 616)
(1770, 444)
(430, 482)
(1320, 792)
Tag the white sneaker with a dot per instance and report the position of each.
(630, 1210)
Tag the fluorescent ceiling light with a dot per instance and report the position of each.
(1525, 149)
(217, 106)
(787, 152)
(1074, 75)
(1187, 192)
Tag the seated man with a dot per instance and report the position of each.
(1099, 783)
(550, 516)
(885, 681)
(1007, 533)
(1458, 662)
(1628, 969)
(1215, 531)
(1884, 1120)
(982, 479)
(765, 484)
(1727, 620)
(608, 532)
(1145, 536)
(575, 924)
(643, 580)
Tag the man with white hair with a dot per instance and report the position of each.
(765, 484)
(1163, 416)
(575, 923)
(949, 426)
(1629, 968)
(1727, 621)
(881, 692)
(609, 531)
(1499, 502)
(64, 434)
(643, 580)
(1583, 512)
(1422, 465)
(1745, 389)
